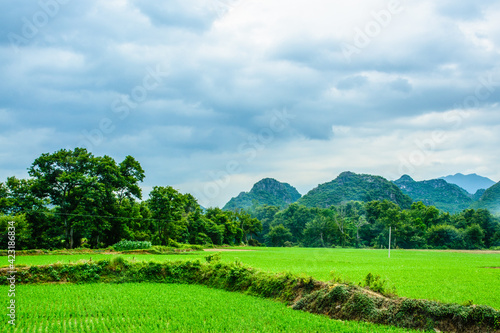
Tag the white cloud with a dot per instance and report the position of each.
(231, 64)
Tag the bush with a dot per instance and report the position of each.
(213, 257)
(375, 283)
(445, 236)
(126, 245)
(254, 242)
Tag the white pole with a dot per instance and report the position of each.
(389, 242)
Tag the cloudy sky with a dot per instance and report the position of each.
(213, 95)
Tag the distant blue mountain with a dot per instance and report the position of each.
(471, 183)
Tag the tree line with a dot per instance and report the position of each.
(75, 199)
(359, 224)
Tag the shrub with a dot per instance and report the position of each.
(126, 245)
(213, 257)
(375, 283)
(254, 242)
(445, 236)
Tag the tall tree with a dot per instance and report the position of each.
(85, 190)
(167, 206)
(250, 225)
(65, 177)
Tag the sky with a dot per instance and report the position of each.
(210, 96)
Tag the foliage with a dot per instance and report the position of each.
(445, 236)
(126, 245)
(77, 184)
(22, 231)
(167, 206)
(375, 283)
(75, 199)
(278, 235)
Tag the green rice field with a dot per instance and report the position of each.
(455, 277)
(146, 307)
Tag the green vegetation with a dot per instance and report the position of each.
(146, 307)
(436, 192)
(268, 191)
(490, 199)
(414, 274)
(76, 200)
(358, 224)
(349, 186)
(125, 245)
(340, 301)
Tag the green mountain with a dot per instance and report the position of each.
(478, 194)
(471, 183)
(268, 191)
(436, 192)
(490, 200)
(349, 186)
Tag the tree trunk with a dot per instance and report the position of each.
(67, 231)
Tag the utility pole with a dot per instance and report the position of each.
(389, 242)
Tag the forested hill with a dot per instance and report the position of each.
(267, 191)
(490, 199)
(436, 192)
(349, 186)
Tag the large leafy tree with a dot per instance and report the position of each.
(248, 224)
(167, 206)
(295, 218)
(228, 222)
(265, 214)
(278, 235)
(321, 231)
(65, 177)
(84, 189)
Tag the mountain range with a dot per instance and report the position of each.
(490, 200)
(348, 186)
(436, 192)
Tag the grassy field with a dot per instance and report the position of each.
(162, 308)
(444, 276)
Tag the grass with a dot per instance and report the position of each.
(443, 276)
(148, 307)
